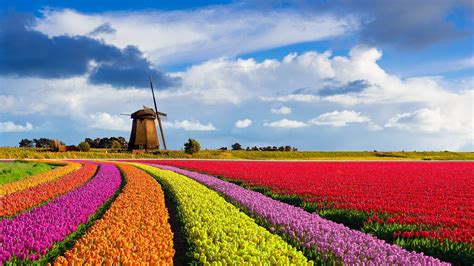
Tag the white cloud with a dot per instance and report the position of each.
(10, 126)
(387, 99)
(243, 123)
(374, 127)
(285, 123)
(420, 120)
(338, 119)
(175, 36)
(189, 125)
(281, 111)
(109, 122)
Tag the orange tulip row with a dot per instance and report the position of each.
(41, 178)
(30, 197)
(134, 229)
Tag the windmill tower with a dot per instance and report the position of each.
(144, 134)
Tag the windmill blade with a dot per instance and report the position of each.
(157, 115)
(163, 118)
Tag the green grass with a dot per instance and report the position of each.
(14, 171)
(32, 153)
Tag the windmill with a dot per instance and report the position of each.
(144, 134)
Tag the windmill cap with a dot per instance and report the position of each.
(146, 112)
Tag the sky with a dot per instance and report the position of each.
(317, 75)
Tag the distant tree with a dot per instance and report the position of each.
(105, 143)
(84, 146)
(26, 143)
(288, 148)
(223, 148)
(96, 143)
(123, 142)
(254, 148)
(192, 146)
(91, 142)
(116, 145)
(45, 143)
(247, 149)
(236, 147)
(281, 148)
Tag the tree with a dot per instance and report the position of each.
(105, 143)
(123, 141)
(84, 146)
(26, 143)
(45, 143)
(192, 146)
(116, 145)
(90, 141)
(96, 143)
(236, 147)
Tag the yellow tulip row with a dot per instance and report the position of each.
(134, 230)
(41, 178)
(220, 233)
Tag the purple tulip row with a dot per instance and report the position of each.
(31, 234)
(311, 231)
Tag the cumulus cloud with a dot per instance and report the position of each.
(286, 123)
(243, 123)
(10, 126)
(315, 80)
(175, 36)
(107, 121)
(333, 119)
(420, 120)
(338, 119)
(27, 52)
(189, 125)
(281, 111)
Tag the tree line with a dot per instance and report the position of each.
(98, 143)
(238, 147)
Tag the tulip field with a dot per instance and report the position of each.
(165, 212)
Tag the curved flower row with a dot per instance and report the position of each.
(31, 234)
(312, 231)
(219, 232)
(134, 229)
(30, 197)
(39, 178)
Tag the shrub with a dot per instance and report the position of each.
(84, 146)
(236, 147)
(192, 146)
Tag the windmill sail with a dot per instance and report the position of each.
(157, 114)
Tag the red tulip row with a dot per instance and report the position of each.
(436, 196)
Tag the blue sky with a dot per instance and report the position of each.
(317, 75)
